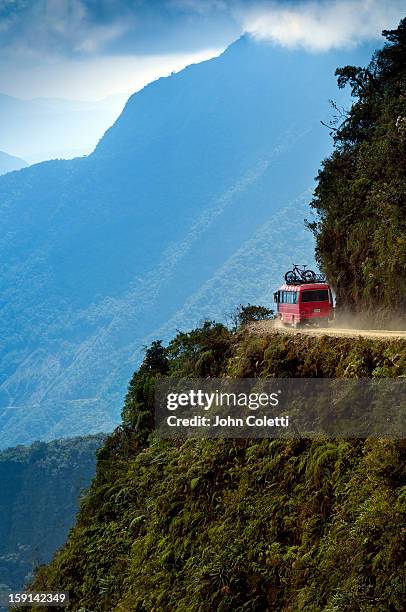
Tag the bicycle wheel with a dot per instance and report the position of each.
(290, 277)
(309, 276)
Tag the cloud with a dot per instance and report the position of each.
(57, 27)
(90, 49)
(320, 26)
(49, 45)
(201, 7)
(63, 28)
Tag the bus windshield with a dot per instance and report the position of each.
(315, 295)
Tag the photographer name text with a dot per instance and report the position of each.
(229, 421)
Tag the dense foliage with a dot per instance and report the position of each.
(255, 525)
(40, 489)
(361, 191)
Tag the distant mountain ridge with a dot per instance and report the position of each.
(192, 202)
(49, 128)
(39, 498)
(9, 163)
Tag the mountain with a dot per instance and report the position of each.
(192, 202)
(8, 163)
(49, 128)
(39, 497)
(236, 524)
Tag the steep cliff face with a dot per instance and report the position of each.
(361, 191)
(237, 524)
(191, 203)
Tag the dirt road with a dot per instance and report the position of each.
(265, 327)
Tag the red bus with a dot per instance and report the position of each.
(304, 303)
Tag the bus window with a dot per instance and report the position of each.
(287, 297)
(292, 297)
(315, 295)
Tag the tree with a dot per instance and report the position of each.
(360, 197)
(249, 313)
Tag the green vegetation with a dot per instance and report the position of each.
(240, 525)
(361, 191)
(250, 313)
(40, 489)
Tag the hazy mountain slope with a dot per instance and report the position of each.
(41, 485)
(48, 128)
(8, 163)
(251, 274)
(100, 252)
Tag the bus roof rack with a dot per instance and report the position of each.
(318, 278)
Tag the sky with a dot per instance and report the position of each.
(91, 49)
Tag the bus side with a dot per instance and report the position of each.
(287, 300)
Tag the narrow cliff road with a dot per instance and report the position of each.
(265, 327)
